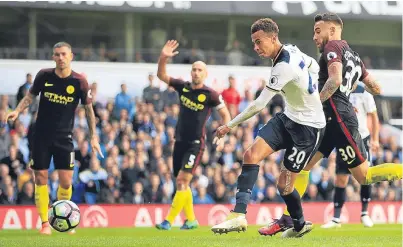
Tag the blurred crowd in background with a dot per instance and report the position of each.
(216, 39)
(137, 137)
(235, 54)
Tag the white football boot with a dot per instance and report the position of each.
(332, 224)
(366, 220)
(291, 233)
(235, 222)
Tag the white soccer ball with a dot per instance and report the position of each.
(64, 216)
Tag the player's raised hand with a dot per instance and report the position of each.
(169, 49)
(11, 116)
(96, 147)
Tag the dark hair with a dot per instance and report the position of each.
(329, 17)
(62, 44)
(267, 25)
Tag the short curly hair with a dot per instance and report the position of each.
(267, 25)
(329, 17)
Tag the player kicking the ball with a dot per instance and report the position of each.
(340, 69)
(364, 105)
(61, 90)
(299, 129)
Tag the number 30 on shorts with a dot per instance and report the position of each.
(347, 153)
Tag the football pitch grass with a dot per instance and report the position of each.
(346, 236)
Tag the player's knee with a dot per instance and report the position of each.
(41, 177)
(182, 183)
(362, 180)
(341, 181)
(360, 177)
(360, 173)
(250, 157)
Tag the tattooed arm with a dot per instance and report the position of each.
(335, 71)
(24, 103)
(371, 85)
(89, 112)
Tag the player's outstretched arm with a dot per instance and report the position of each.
(24, 103)
(253, 108)
(226, 117)
(167, 52)
(371, 85)
(335, 71)
(89, 112)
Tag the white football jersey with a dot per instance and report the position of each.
(363, 103)
(295, 76)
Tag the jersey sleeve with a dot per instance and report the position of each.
(369, 103)
(333, 53)
(85, 97)
(281, 74)
(39, 81)
(313, 66)
(364, 71)
(216, 100)
(177, 84)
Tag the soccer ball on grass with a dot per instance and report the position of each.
(64, 216)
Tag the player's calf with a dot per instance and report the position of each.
(293, 202)
(42, 199)
(181, 198)
(365, 199)
(291, 197)
(365, 193)
(246, 181)
(64, 190)
(64, 193)
(236, 221)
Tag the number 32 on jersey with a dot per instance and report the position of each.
(352, 72)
